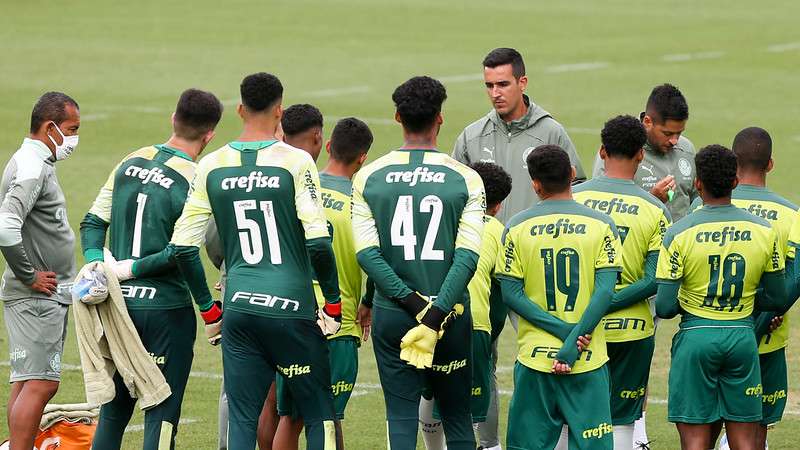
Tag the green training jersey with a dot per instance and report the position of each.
(555, 248)
(141, 200)
(336, 201)
(483, 289)
(418, 208)
(266, 202)
(780, 213)
(718, 254)
(641, 221)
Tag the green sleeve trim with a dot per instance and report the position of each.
(156, 263)
(604, 283)
(324, 263)
(667, 305)
(92, 255)
(793, 278)
(773, 295)
(761, 323)
(455, 283)
(386, 280)
(93, 237)
(188, 261)
(641, 289)
(515, 298)
(369, 295)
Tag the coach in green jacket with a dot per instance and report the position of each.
(512, 129)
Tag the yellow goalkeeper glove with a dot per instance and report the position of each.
(417, 346)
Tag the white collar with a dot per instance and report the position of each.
(38, 147)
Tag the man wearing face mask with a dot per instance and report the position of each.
(38, 246)
(667, 170)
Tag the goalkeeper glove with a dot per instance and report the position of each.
(123, 270)
(213, 319)
(329, 318)
(419, 343)
(415, 304)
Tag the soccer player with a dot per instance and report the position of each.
(347, 150)
(709, 268)
(559, 265)
(486, 307)
(667, 170)
(302, 128)
(138, 206)
(753, 149)
(641, 221)
(417, 224)
(264, 195)
(511, 130)
(38, 246)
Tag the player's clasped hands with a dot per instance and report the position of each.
(562, 368)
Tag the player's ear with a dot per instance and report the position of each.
(602, 152)
(647, 121)
(698, 185)
(208, 137)
(573, 175)
(172, 119)
(362, 159)
(328, 147)
(240, 110)
(439, 118)
(397, 117)
(770, 165)
(639, 156)
(523, 83)
(735, 182)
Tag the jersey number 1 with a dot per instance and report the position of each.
(250, 232)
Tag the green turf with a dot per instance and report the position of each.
(126, 63)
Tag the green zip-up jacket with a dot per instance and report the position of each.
(491, 139)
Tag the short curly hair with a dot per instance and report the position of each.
(666, 102)
(300, 118)
(550, 165)
(716, 169)
(418, 102)
(623, 137)
(260, 91)
(496, 181)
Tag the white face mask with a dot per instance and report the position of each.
(68, 144)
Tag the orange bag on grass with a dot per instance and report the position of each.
(66, 435)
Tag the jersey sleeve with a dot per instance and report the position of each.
(309, 202)
(654, 245)
(470, 227)
(777, 260)
(23, 191)
(670, 261)
(190, 229)
(102, 203)
(95, 224)
(794, 233)
(609, 257)
(509, 263)
(365, 231)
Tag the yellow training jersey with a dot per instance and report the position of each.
(641, 221)
(556, 247)
(480, 286)
(336, 201)
(718, 253)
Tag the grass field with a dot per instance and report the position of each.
(127, 62)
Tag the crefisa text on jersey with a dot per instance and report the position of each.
(256, 179)
(420, 174)
(155, 175)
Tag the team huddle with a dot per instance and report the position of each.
(426, 253)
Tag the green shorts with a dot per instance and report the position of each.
(481, 374)
(629, 366)
(776, 386)
(344, 369)
(714, 373)
(543, 403)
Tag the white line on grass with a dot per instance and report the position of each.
(577, 67)
(140, 427)
(789, 46)
(796, 138)
(578, 130)
(461, 78)
(681, 57)
(94, 117)
(339, 91)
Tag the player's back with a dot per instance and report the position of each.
(416, 199)
(258, 192)
(720, 254)
(148, 192)
(556, 247)
(336, 193)
(641, 220)
(483, 290)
